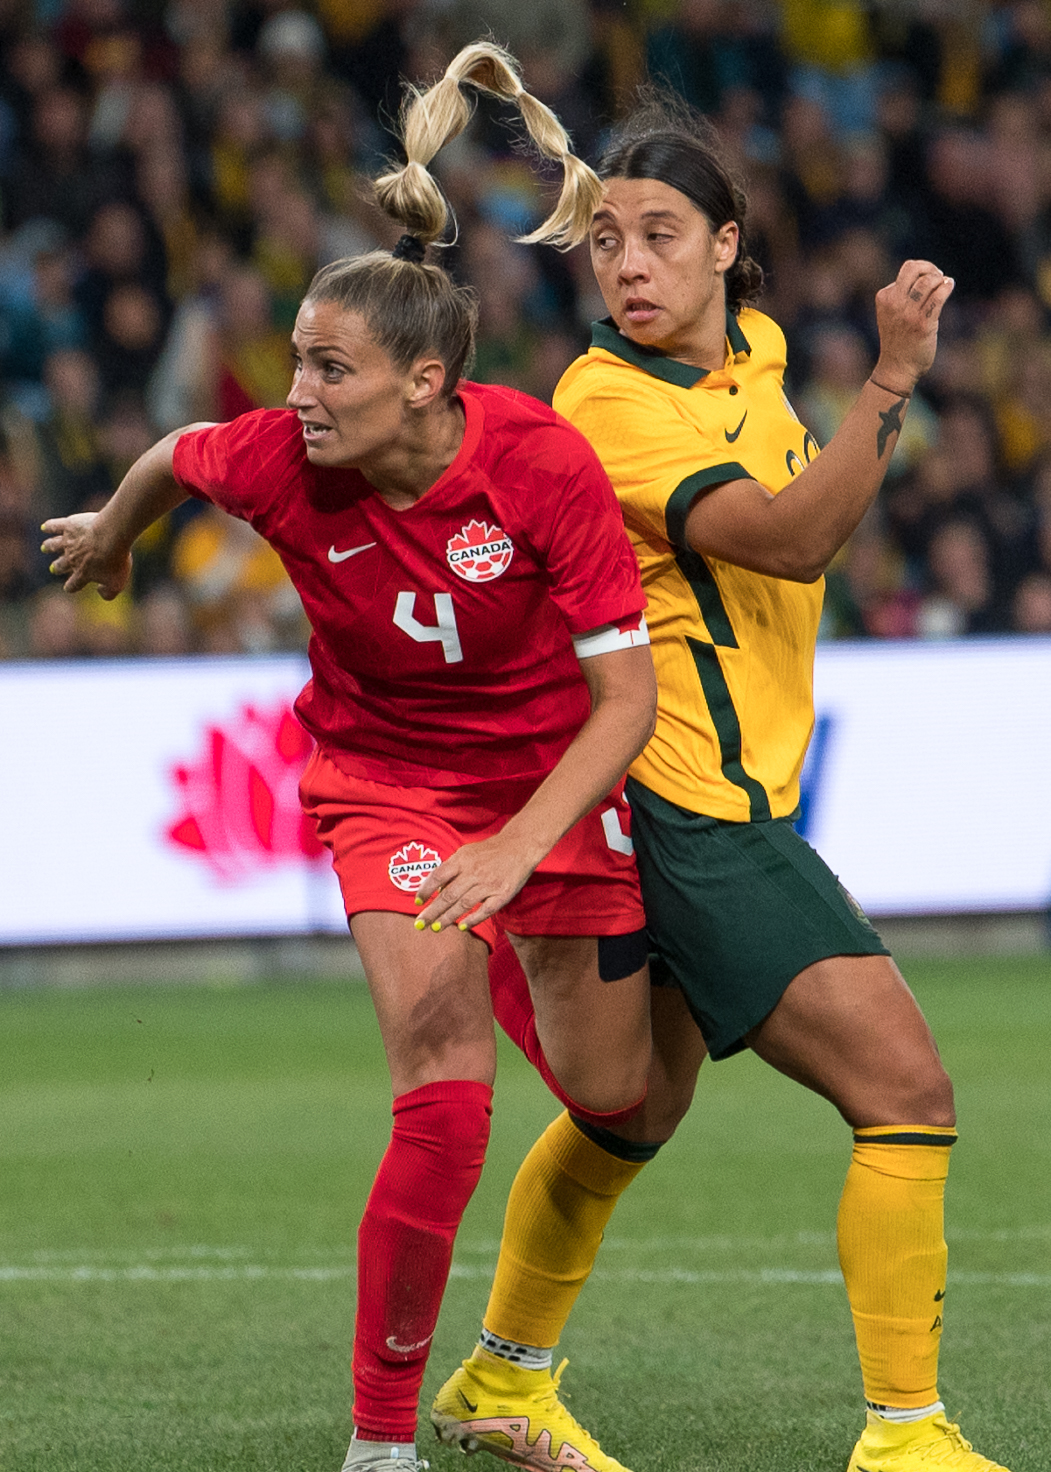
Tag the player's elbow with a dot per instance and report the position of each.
(808, 572)
(797, 564)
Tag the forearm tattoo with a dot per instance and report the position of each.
(890, 423)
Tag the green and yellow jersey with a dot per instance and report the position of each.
(734, 650)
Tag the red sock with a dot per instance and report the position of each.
(405, 1246)
(513, 1010)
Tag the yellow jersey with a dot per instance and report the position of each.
(734, 650)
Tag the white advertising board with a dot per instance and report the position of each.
(153, 799)
(928, 780)
(156, 799)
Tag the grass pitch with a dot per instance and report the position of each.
(183, 1169)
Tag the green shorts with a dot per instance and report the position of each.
(735, 911)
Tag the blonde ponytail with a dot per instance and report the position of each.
(432, 118)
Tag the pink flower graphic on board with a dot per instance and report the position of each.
(479, 552)
(239, 799)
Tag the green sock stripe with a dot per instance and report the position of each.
(908, 1137)
(634, 1152)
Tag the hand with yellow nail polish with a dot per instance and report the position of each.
(474, 882)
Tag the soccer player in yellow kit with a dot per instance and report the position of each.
(734, 518)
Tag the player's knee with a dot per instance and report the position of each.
(603, 1096)
(921, 1097)
(935, 1099)
(663, 1110)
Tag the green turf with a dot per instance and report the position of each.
(183, 1168)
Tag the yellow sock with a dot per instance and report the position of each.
(893, 1255)
(561, 1199)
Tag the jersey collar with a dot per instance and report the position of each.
(606, 336)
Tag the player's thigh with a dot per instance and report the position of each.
(595, 1032)
(678, 1052)
(431, 995)
(578, 928)
(849, 1028)
(430, 990)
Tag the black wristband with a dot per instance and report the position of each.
(897, 394)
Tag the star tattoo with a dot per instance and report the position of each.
(891, 424)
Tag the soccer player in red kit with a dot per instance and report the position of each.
(480, 682)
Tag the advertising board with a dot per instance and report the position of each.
(157, 799)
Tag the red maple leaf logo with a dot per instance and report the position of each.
(409, 867)
(479, 552)
(240, 798)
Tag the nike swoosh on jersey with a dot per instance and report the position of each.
(334, 556)
(731, 437)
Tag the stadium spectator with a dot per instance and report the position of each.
(961, 597)
(38, 313)
(959, 224)
(238, 594)
(1031, 606)
(53, 626)
(164, 626)
(75, 474)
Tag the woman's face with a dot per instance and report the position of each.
(660, 268)
(352, 401)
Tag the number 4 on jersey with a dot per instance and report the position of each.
(616, 839)
(444, 630)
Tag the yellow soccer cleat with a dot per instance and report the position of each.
(491, 1405)
(916, 1446)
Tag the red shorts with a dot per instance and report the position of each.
(385, 840)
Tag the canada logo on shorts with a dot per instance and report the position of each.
(479, 552)
(409, 867)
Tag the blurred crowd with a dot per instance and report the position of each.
(172, 173)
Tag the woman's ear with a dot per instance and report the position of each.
(727, 241)
(427, 379)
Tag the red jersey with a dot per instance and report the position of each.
(442, 645)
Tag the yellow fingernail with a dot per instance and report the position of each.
(461, 926)
(418, 924)
(417, 901)
(436, 925)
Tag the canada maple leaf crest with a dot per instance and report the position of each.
(240, 797)
(409, 867)
(479, 552)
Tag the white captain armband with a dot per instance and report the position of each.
(623, 635)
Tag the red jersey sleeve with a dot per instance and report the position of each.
(593, 570)
(244, 466)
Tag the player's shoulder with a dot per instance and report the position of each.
(254, 461)
(765, 339)
(521, 429)
(263, 431)
(610, 400)
(601, 373)
(272, 431)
